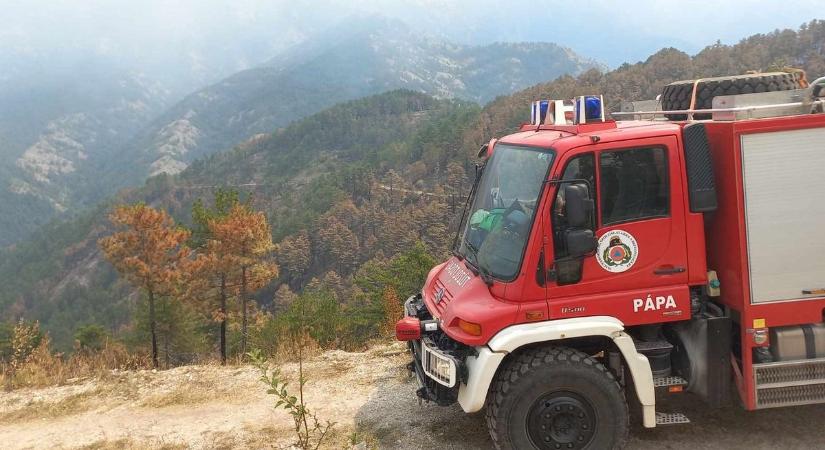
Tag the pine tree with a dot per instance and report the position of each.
(150, 252)
(339, 244)
(224, 200)
(246, 238)
(294, 256)
(456, 177)
(283, 297)
(211, 276)
(212, 271)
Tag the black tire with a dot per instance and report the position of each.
(677, 96)
(549, 398)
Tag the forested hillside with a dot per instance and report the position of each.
(56, 132)
(296, 175)
(358, 194)
(75, 138)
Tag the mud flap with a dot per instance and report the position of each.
(702, 356)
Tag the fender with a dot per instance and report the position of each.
(482, 368)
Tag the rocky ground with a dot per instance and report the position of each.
(368, 395)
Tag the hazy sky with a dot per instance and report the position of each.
(229, 35)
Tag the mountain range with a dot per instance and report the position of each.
(70, 140)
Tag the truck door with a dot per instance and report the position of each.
(639, 272)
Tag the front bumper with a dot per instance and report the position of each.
(438, 386)
(429, 388)
(475, 367)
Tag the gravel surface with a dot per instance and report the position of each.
(399, 422)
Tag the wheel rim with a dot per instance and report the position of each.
(561, 420)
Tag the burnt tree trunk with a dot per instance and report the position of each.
(244, 314)
(152, 328)
(223, 320)
(166, 338)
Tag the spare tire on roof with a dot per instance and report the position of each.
(677, 96)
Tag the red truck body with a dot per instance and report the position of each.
(644, 299)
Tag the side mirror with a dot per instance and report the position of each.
(482, 152)
(580, 242)
(578, 205)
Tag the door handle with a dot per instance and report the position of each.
(820, 291)
(668, 270)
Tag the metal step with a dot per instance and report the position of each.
(669, 381)
(671, 418)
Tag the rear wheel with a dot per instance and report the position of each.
(678, 95)
(556, 398)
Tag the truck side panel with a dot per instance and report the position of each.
(727, 240)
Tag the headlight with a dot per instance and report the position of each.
(438, 366)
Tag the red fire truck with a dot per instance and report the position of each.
(602, 263)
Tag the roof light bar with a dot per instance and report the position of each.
(583, 109)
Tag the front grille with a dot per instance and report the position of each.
(431, 388)
(440, 306)
(790, 383)
(431, 360)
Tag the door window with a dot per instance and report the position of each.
(581, 167)
(634, 185)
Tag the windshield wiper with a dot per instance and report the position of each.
(476, 266)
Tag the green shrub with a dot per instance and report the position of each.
(90, 337)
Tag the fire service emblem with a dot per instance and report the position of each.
(617, 251)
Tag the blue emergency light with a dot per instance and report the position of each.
(592, 107)
(589, 108)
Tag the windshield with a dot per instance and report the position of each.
(502, 210)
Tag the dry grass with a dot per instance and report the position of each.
(339, 438)
(73, 404)
(42, 368)
(393, 310)
(129, 444)
(287, 349)
(190, 393)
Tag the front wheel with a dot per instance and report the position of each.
(556, 398)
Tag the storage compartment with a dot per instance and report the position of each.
(784, 213)
(798, 342)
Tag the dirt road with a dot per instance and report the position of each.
(400, 423)
(367, 394)
(192, 407)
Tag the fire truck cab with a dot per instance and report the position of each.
(602, 263)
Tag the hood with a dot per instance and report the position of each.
(453, 292)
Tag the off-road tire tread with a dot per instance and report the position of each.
(676, 96)
(532, 359)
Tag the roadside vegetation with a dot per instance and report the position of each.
(27, 360)
(193, 286)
